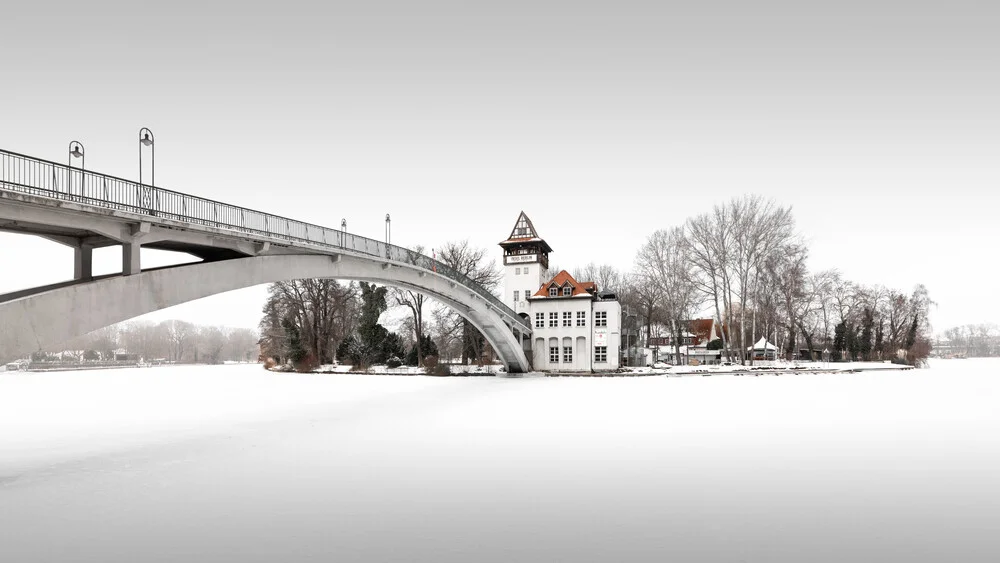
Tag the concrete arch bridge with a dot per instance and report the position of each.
(238, 247)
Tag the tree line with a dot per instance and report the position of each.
(972, 340)
(745, 263)
(172, 340)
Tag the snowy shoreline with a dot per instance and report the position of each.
(493, 370)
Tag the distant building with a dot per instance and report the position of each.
(699, 332)
(694, 343)
(575, 327)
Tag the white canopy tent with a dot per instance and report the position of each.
(762, 344)
(763, 350)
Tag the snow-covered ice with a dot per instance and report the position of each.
(232, 463)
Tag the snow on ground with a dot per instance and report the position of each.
(236, 463)
(766, 366)
(409, 370)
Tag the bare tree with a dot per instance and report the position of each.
(179, 335)
(241, 345)
(475, 264)
(605, 276)
(663, 263)
(643, 298)
(448, 333)
(762, 228)
(786, 272)
(414, 301)
(709, 237)
(322, 313)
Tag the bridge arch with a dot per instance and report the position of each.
(48, 318)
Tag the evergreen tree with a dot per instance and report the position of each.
(427, 348)
(839, 341)
(880, 339)
(392, 347)
(911, 336)
(344, 350)
(865, 343)
(370, 345)
(853, 342)
(296, 352)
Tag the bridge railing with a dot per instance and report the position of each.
(29, 175)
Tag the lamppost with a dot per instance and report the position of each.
(75, 151)
(343, 232)
(146, 138)
(388, 235)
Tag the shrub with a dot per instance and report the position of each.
(439, 370)
(393, 362)
(307, 364)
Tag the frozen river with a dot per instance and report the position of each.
(232, 463)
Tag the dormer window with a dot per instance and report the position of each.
(553, 292)
(567, 291)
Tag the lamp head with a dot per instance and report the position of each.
(76, 152)
(386, 217)
(343, 223)
(147, 139)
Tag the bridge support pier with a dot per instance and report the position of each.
(83, 262)
(130, 258)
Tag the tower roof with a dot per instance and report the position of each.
(523, 228)
(524, 232)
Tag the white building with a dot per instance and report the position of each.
(575, 327)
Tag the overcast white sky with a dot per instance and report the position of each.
(877, 121)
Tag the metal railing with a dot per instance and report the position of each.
(34, 176)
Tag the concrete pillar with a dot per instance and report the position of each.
(83, 262)
(130, 258)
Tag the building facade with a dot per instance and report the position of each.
(694, 343)
(575, 327)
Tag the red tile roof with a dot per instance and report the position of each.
(702, 330)
(562, 279)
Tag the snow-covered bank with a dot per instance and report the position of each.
(457, 369)
(771, 367)
(235, 463)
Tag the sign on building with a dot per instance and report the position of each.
(518, 258)
(600, 337)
